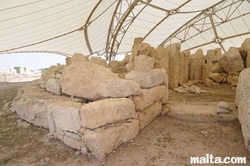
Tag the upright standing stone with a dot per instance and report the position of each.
(196, 61)
(245, 48)
(174, 66)
(79, 57)
(68, 61)
(184, 66)
(137, 41)
(243, 102)
(162, 58)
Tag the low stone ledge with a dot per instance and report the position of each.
(149, 114)
(99, 113)
(102, 143)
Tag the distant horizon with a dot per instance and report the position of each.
(33, 61)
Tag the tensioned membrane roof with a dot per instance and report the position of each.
(108, 27)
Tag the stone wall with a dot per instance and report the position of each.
(91, 109)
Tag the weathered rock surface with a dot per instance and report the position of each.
(208, 82)
(234, 81)
(98, 61)
(53, 86)
(234, 59)
(102, 143)
(118, 88)
(174, 65)
(195, 65)
(161, 57)
(147, 79)
(66, 115)
(99, 113)
(223, 62)
(51, 73)
(150, 96)
(68, 61)
(76, 144)
(184, 66)
(217, 77)
(79, 57)
(149, 114)
(83, 79)
(245, 46)
(31, 104)
(243, 102)
(143, 63)
(216, 68)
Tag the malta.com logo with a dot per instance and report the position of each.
(210, 159)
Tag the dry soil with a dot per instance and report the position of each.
(165, 142)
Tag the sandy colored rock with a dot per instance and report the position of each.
(245, 46)
(102, 143)
(118, 88)
(223, 62)
(53, 86)
(161, 57)
(149, 114)
(184, 66)
(99, 113)
(216, 68)
(234, 81)
(217, 77)
(51, 73)
(174, 65)
(143, 63)
(76, 144)
(31, 104)
(243, 102)
(98, 61)
(66, 115)
(234, 59)
(196, 61)
(141, 49)
(79, 57)
(83, 79)
(68, 61)
(147, 79)
(152, 95)
(223, 104)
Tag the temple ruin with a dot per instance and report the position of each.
(94, 108)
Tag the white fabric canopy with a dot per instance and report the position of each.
(108, 27)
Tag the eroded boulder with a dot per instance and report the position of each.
(147, 79)
(53, 86)
(83, 79)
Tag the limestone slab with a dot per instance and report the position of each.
(149, 114)
(118, 88)
(143, 63)
(99, 113)
(102, 143)
(66, 115)
(147, 79)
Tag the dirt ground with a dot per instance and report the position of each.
(165, 142)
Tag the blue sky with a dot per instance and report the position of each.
(31, 60)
